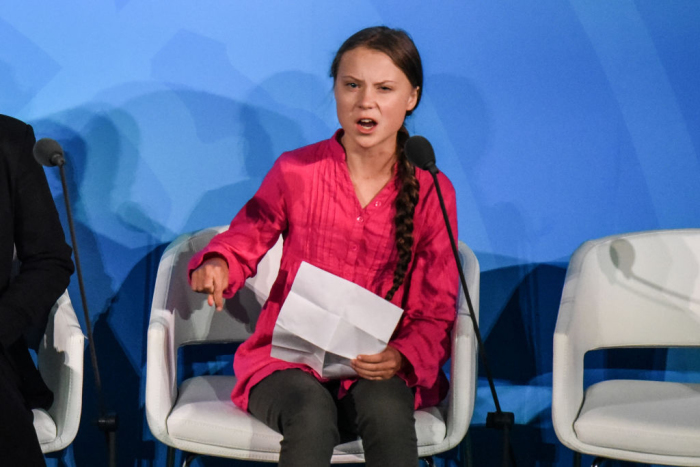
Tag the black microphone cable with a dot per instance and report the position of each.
(420, 153)
(49, 153)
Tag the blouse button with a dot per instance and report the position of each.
(353, 247)
(360, 218)
(377, 203)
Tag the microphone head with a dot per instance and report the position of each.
(420, 153)
(48, 153)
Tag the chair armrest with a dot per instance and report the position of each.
(463, 369)
(169, 297)
(60, 361)
(567, 388)
(574, 334)
(463, 377)
(161, 372)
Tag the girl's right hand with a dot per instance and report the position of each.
(211, 278)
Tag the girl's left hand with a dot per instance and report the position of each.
(383, 365)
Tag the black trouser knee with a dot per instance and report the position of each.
(383, 417)
(295, 404)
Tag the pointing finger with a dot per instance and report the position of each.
(218, 289)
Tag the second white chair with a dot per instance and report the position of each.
(634, 290)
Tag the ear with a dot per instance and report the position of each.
(412, 99)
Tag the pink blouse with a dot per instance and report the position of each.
(308, 197)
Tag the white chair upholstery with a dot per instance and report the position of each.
(635, 290)
(199, 417)
(60, 361)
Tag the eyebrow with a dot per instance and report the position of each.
(352, 78)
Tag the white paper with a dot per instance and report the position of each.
(326, 321)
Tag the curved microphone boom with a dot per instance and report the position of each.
(49, 153)
(420, 153)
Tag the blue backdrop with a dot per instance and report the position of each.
(557, 121)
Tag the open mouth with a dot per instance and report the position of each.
(367, 123)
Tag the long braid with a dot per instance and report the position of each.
(405, 204)
(399, 47)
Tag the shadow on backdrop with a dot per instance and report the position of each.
(519, 349)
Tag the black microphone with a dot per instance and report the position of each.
(49, 153)
(420, 153)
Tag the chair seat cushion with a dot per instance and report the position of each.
(44, 425)
(653, 417)
(205, 414)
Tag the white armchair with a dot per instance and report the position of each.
(60, 361)
(635, 290)
(199, 417)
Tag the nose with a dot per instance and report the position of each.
(367, 98)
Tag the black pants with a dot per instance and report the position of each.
(18, 442)
(313, 421)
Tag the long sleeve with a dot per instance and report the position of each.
(308, 197)
(423, 336)
(252, 232)
(37, 234)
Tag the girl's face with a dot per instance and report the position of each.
(372, 97)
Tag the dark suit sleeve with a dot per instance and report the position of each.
(45, 257)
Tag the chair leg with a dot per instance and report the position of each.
(189, 457)
(429, 461)
(465, 449)
(598, 461)
(170, 460)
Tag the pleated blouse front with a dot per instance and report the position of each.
(309, 199)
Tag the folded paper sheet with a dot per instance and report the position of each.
(326, 321)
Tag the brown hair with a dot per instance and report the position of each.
(398, 46)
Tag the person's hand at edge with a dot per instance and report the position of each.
(211, 278)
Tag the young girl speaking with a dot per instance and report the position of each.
(353, 206)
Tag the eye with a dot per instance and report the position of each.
(352, 85)
(385, 88)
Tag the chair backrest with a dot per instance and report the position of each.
(639, 289)
(196, 321)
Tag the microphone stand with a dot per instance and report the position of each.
(498, 419)
(107, 422)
